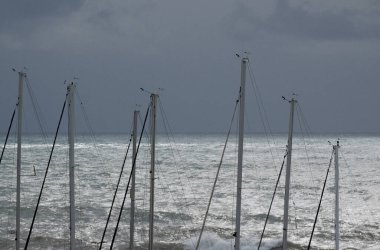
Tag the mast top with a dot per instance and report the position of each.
(21, 72)
(70, 85)
(291, 100)
(244, 57)
(149, 92)
(337, 144)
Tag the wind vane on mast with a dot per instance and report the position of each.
(22, 71)
(246, 53)
(149, 92)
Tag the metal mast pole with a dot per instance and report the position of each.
(337, 233)
(22, 75)
(71, 132)
(153, 98)
(240, 152)
(287, 178)
(132, 225)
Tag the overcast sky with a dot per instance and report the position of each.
(328, 52)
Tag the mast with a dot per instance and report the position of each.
(132, 222)
(287, 178)
(153, 98)
(337, 233)
(240, 152)
(71, 131)
(21, 75)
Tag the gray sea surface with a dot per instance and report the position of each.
(186, 166)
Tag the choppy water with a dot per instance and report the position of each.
(186, 167)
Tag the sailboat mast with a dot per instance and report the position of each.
(22, 75)
(337, 233)
(153, 98)
(71, 133)
(132, 221)
(240, 152)
(287, 178)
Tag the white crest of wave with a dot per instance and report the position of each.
(211, 241)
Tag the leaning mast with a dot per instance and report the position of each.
(337, 233)
(153, 98)
(240, 152)
(22, 76)
(287, 177)
(71, 132)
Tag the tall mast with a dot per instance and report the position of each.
(153, 98)
(132, 221)
(71, 131)
(287, 178)
(21, 75)
(240, 152)
(337, 233)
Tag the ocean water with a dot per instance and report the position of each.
(185, 170)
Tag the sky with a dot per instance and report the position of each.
(327, 52)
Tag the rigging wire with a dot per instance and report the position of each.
(341, 180)
(306, 139)
(93, 136)
(302, 132)
(144, 216)
(168, 130)
(46, 172)
(305, 132)
(6, 138)
(145, 164)
(129, 179)
(86, 119)
(259, 98)
(262, 112)
(171, 140)
(217, 174)
(234, 182)
(114, 195)
(172, 197)
(320, 201)
(11, 186)
(274, 193)
(304, 120)
(77, 191)
(37, 111)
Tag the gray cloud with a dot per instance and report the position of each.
(333, 24)
(309, 20)
(26, 13)
(22, 22)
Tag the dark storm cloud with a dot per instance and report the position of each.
(313, 48)
(26, 13)
(331, 24)
(301, 19)
(20, 21)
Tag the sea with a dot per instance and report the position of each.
(185, 170)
